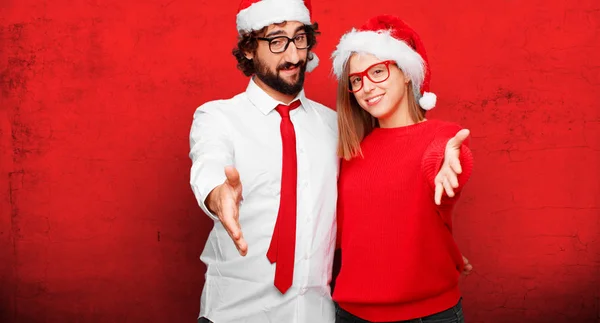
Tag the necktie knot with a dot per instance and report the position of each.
(284, 110)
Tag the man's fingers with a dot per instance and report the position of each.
(235, 233)
(231, 223)
(242, 246)
(240, 242)
(229, 218)
(231, 226)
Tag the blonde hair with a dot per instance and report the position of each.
(354, 123)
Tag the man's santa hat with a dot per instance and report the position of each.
(256, 14)
(389, 38)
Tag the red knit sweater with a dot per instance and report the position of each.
(399, 260)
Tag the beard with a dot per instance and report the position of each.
(275, 81)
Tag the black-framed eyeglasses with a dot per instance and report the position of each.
(279, 44)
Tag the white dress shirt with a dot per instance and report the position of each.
(244, 131)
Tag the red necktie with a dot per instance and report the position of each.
(283, 242)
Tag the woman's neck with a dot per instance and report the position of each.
(399, 117)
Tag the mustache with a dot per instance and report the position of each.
(288, 65)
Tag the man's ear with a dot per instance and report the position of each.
(249, 55)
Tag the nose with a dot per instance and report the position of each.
(368, 86)
(291, 53)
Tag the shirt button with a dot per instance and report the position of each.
(306, 256)
(303, 290)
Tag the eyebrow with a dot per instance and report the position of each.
(281, 32)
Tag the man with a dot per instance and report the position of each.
(282, 147)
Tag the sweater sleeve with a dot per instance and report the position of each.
(433, 158)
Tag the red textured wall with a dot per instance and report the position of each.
(97, 219)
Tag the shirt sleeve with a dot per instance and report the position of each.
(339, 212)
(340, 224)
(434, 158)
(211, 149)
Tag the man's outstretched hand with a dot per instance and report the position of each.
(224, 201)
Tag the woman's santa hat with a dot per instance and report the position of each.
(256, 14)
(389, 38)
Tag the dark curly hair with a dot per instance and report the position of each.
(248, 43)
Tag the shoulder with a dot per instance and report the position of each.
(444, 128)
(218, 108)
(323, 109)
(328, 115)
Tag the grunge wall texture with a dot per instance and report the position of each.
(97, 219)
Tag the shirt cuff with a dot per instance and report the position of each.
(202, 188)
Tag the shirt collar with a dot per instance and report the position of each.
(264, 102)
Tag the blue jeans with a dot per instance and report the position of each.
(451, 315)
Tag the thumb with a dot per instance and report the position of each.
(460, 136)
(233, 177)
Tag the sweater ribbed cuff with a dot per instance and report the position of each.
(434, 158)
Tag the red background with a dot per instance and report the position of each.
(97, 219)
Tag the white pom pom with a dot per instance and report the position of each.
(310, 66)
(428, 100)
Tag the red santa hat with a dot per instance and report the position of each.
(256, 14)
(389, 38)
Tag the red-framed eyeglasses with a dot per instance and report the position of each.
(376, 73)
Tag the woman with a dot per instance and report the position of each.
(401, 175)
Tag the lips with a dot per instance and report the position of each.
(289, 66)
(289, 70)
(374, 100)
